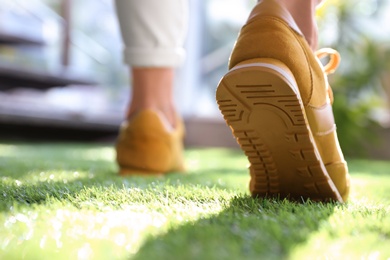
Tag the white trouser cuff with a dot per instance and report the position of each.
(154, 57)
(153, 31)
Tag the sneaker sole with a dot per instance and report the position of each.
(260, 101)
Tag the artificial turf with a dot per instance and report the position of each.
(65, 201)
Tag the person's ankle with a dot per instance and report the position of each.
(303, 13)
(168, 113)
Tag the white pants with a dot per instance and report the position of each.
(153, 31)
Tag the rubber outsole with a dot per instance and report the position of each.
(260, 102)
(135, 172)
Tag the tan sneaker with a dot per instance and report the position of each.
(276, 100)
(147, 145)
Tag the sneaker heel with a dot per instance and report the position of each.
(260, 101)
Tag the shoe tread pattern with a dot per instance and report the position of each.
(267, 118)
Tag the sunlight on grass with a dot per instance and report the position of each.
(102, 222)
(88, 234)
(65, 201)
(361, 228)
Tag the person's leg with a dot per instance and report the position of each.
(275, 99)
(153, 34)
(153, 89)
(151, 138)
(303, 12)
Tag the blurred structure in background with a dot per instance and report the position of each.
(62, 75)
(359, 31)
(58, 72)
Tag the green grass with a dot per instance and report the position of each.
(65, 201)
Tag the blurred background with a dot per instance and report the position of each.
(62, 76)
